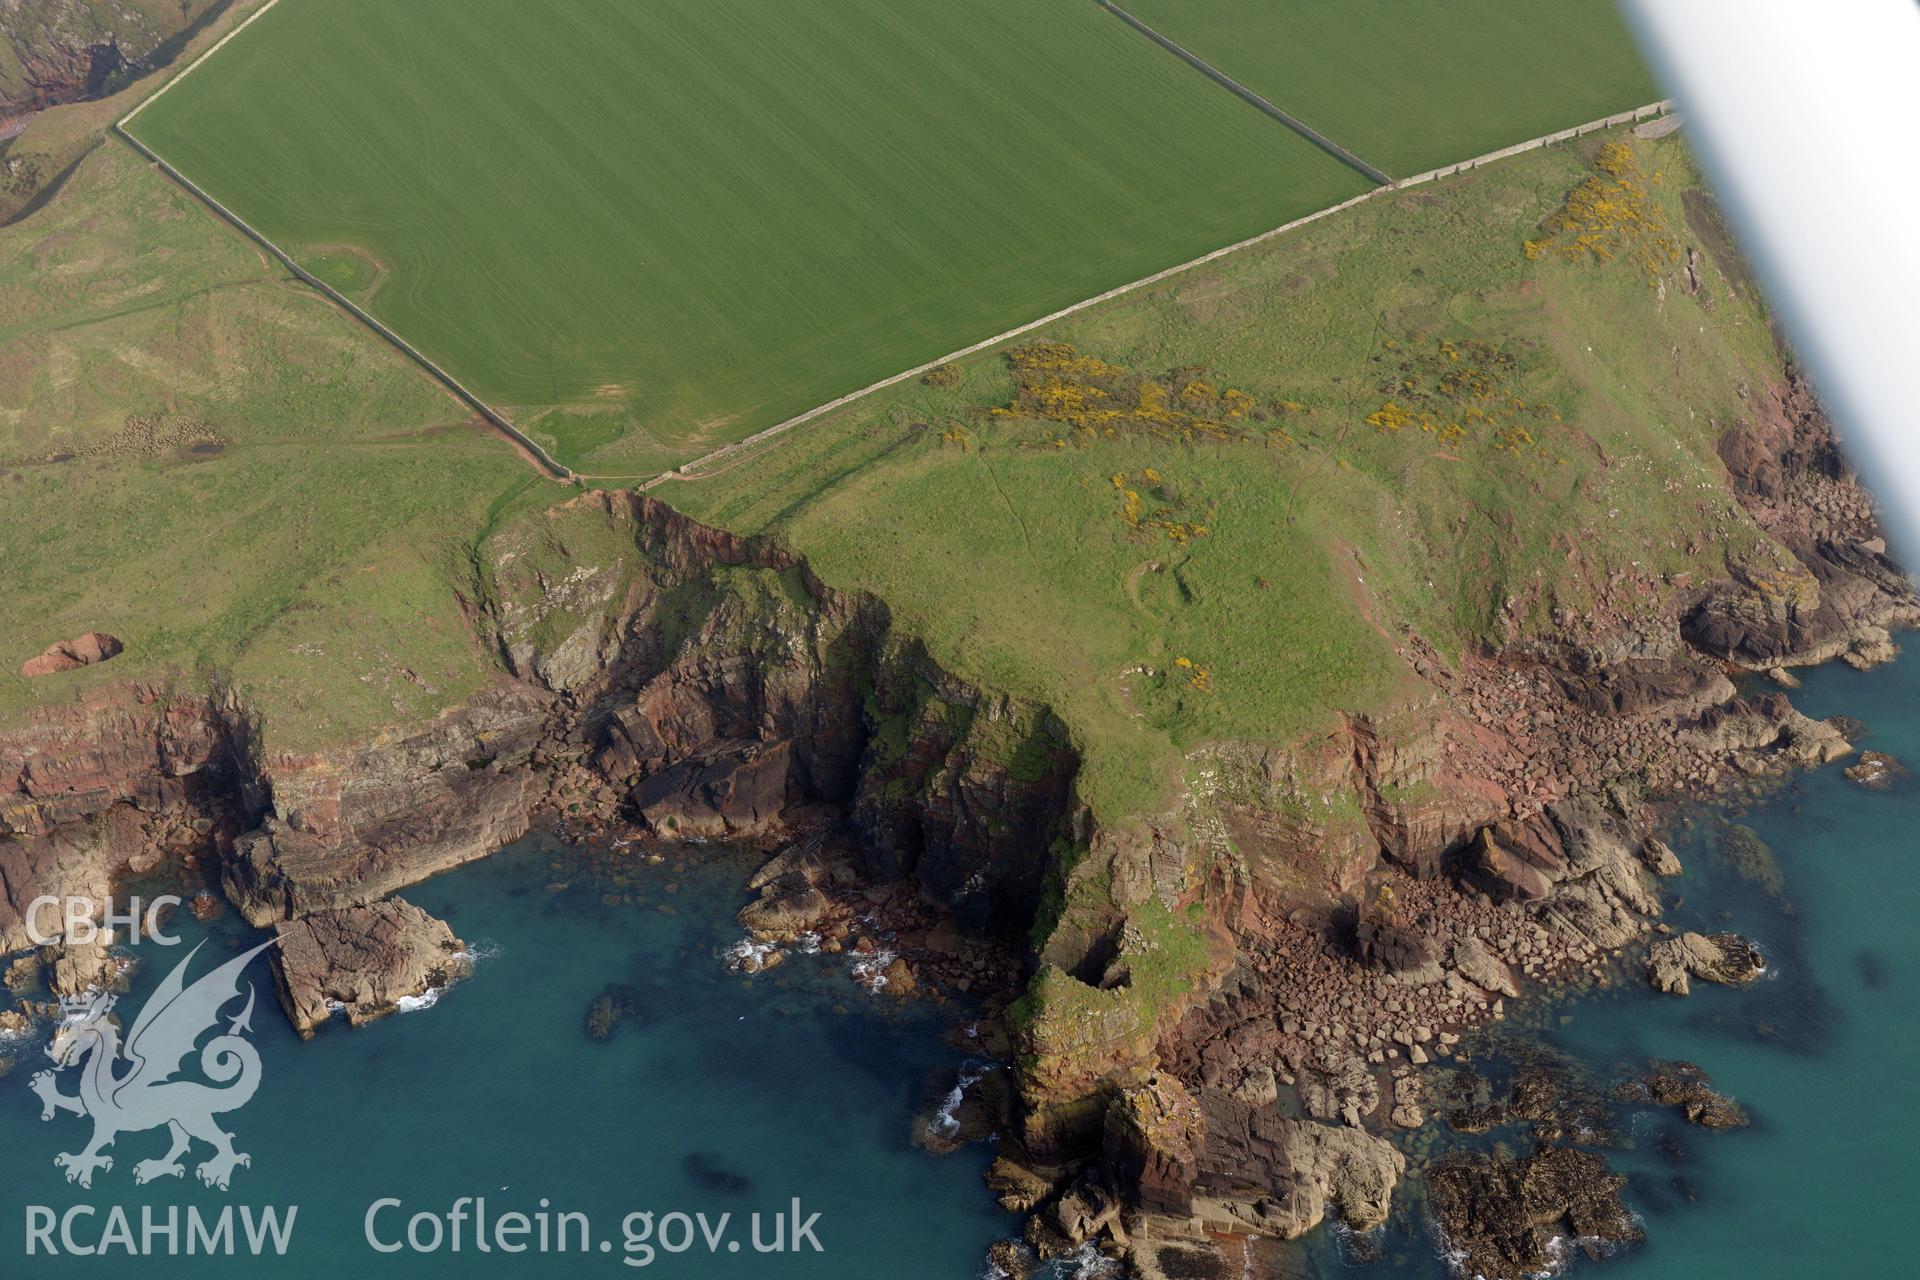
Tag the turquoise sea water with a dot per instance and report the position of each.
(720, 1095)
(1825, 1181)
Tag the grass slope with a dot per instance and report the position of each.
(1409, 85)
(305, 552)
(651, 229)
(1004, 539)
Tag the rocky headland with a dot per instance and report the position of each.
(1320, 918)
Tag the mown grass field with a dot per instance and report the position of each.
(1409, 85)
(1004, 540)
(647, 230)
(305, 553)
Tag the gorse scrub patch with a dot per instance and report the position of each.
(1166, 516)
(1055, 382)
(1463, 393)
(1610, 215)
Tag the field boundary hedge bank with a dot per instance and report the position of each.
(692, 469)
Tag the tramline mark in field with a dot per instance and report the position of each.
(645, 230)
(1410, 85)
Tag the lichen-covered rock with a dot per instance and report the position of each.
(363, 961)
(1018, 1187)
(1726, 958)
(1477, 965)
(1154, 1135)
(1508, 1217)
(1281, 1176)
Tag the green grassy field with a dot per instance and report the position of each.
(1004, 539)
(647, 230)
(296, 529)
(1410, 85)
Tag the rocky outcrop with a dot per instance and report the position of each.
(1876, 771)
(1277, 1176)
(1509, 1217)
(724, 791)
(363, 962)
(1725, 958)
(83, 650)
(354, 826)
(1686, 1088)
(1838, 593)
(111, 782)
(73, 968)
(711, 686)
(1154, 1138)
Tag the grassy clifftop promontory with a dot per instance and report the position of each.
(1210, 512)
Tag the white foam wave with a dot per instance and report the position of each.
(946, 1120)
(484, 949)
(748, 956)
(1087, 1263)
(870, 969)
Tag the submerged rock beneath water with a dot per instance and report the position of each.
(1510, 1217)
(615, 1002)
(1552, 1096)
(1726, 958)
(365, 961)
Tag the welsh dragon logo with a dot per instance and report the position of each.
(130, 1087)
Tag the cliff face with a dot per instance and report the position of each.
(1318, 915)
(726, 683)
(58, 51)
(350, 827)
(115, 781)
